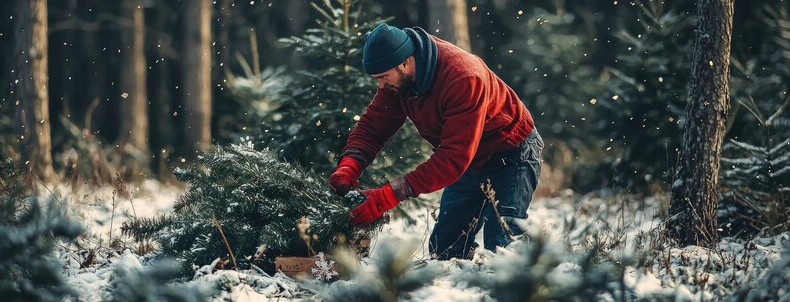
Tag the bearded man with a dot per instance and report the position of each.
(480, 130)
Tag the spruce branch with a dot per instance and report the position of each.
(259, 198)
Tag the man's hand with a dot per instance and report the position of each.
(345, 176)
(378, 201)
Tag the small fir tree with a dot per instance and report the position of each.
(252, 96)
(755, 174)
(153, 283)
(529, 271)
(760, 75)
(550, 65)
(6, 128)
(756, 179)
(557, 78)
(647, 96)
(772, 285)
(28, 231)
(309, 121)
(394, 275)
(248, 206)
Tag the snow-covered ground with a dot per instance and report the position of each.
(621, 230)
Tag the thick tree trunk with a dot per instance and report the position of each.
(133, 134)
(30, 51)
(694, 193)
(297, 20)
(197, 76)
(164, 136)
(224, 24)
(448, 21)
(69, 72)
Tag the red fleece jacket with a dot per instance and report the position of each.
(468, 115)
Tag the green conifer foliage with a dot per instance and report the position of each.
(549, 67)
(756, 160)
(532, 272)
(252, 97)
(394, 274)
(28, 231)
(761, 72)
(644, 107)
(6, 128)
(258, 201)
(756, 178)
(773, 285)
(309, 120)
(151, 284)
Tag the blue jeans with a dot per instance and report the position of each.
(464, 210)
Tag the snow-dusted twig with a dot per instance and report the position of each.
(491, 198)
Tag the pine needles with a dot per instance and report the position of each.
(258, 200)
(28, 230)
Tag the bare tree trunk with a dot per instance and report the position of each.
(295, 11)
(164, 136)
(67, 80)
(223, 37)
(30, 51)
(134, 100)
(448, 21)
(694, 193)
(197, 76)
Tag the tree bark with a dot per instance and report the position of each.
(164, 137)
(197, 76)
(224, 24)
(694, 193)
(30, 51)
(296, 23)
(133, 134)
(448, 21)
(69, 73)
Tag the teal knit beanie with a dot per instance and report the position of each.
(385, 47)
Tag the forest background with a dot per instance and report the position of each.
(137, 88)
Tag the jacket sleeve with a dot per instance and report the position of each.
(383, 117)
(464, 111)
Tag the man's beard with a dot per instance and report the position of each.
(406, 85)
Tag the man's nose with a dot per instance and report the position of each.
(381, 83)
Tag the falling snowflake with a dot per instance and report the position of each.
(323, 270)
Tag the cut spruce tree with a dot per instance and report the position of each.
(247, 207)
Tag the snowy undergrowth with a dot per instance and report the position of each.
(102, 210)
(610, 248)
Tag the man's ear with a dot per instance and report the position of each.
(408, 62)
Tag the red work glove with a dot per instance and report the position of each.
(345, 176)
(378, 201)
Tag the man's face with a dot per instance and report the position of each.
(396, 81)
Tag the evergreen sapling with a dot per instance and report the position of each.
(309, 114)
(265, 207)
(645, 107)
(29, 229)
